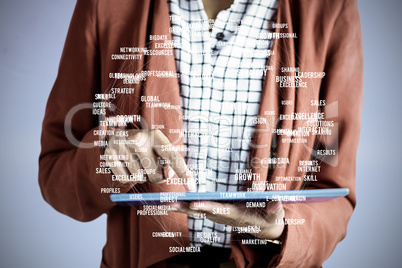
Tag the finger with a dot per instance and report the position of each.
(219, 218)
(191, 210)
(136, 170)
(150, 165)
(182, 207)
(273, 217)
(144, 156)
(165, 149)
(217, 212)
(133, 165)
(273, 211)
(235, 212)
(225, 213)
(120, 149)
(117, 170)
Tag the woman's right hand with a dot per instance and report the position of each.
(143, 154)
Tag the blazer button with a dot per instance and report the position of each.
(220, 36)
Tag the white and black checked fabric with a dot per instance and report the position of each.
(221, 78)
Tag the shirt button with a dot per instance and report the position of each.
(220, 36)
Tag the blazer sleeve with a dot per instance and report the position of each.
(67, 169)
(311, 243)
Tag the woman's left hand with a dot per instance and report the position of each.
(269, 219)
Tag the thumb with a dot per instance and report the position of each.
(275, 211)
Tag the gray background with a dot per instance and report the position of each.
(32, 234)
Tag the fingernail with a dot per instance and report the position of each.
(190, 185)
(194, 207)
(172, 209)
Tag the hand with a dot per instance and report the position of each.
(141, 152)
(268, 219)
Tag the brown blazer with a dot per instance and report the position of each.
(328, 39)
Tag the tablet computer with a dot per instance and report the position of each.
(293, 196)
